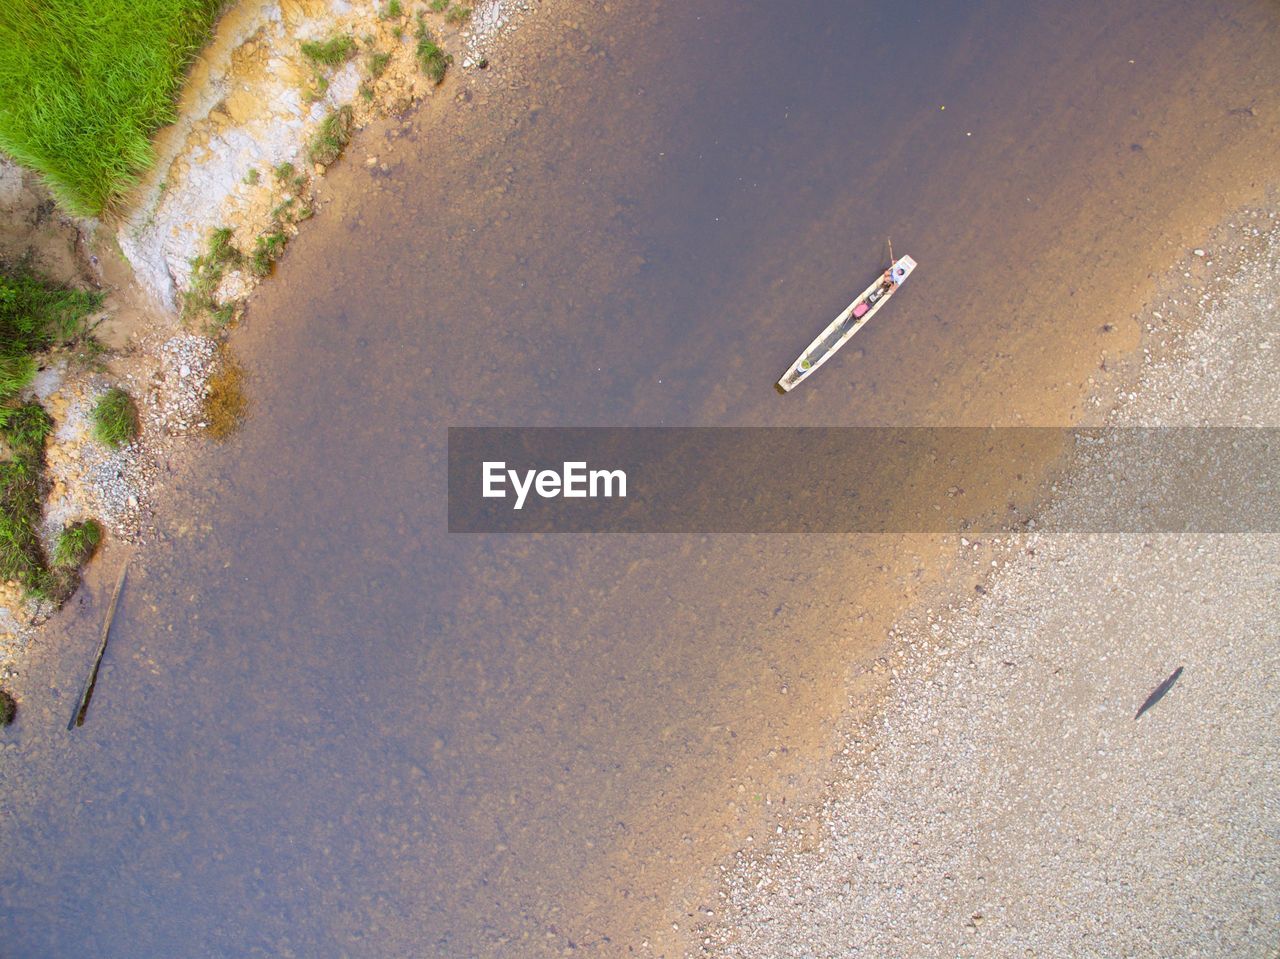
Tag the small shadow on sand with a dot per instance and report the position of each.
(1157, 694)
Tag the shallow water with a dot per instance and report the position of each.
(326, 727)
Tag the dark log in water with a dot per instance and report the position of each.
(77, 719)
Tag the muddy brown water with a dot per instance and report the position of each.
(326, 727)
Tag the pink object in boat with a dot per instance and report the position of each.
(860, 310)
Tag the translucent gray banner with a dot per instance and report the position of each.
(868, 480)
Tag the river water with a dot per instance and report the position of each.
(326, 727)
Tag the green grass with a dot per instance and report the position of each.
(21, 551)
(252, 177)
(115, 418)
(433, 61)
(268, 249)
(222, 250)
(377, 64)
(220, 316)
(332, 137)
(316, 88)
(77, 544)
(439, 6)
(84, 85)
(27, 427)
(35, 315)
(391, 10)
(329, 53)
(287, 176)
(207, 272)
(458, 15)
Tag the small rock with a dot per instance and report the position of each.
(184, 370)
(1198, 252)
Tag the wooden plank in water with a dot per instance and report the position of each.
(87, 692)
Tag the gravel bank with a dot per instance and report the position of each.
(1006, 802)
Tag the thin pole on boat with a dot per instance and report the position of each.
(890, 250)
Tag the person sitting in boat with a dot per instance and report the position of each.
(883, 289)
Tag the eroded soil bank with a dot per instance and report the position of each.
(261, 118)
(164, 367)
(244, 153)
(380, 736)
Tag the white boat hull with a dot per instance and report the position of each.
(844, 326)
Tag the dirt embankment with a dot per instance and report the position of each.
(244, 153)
(274, 100)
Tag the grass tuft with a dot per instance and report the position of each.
(26, 427)
(458, 15)
(77, 544)
(36, 314)
(84, 85)
(330, 53)
(207, 272)
(378, 63)
(268, 249)
(222, 249)
(332, 137)
(288, 177)
(316, 88)
(433, 61)
(16, 373)
(391, 10)
(21, 551)
(115, 418)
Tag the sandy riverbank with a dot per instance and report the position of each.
(1004, 801)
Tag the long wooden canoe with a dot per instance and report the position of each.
(855, 317)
